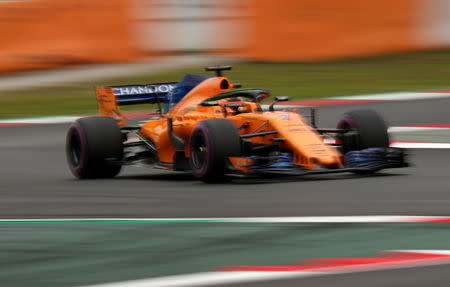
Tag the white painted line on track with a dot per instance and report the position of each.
(400, 96)
(300, 219)
(212, 278)
(334, 219)
(414, 129)
(42, 120)
(413, 145)
(437, 252)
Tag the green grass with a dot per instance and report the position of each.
(403, 72)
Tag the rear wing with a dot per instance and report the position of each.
(110, 98)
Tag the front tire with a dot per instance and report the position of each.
(94, 147)
(211, 143)
(364, 129)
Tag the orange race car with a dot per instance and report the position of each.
(213, 128)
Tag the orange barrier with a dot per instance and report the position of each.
(52, 33)
(40, 34)
(327, 29)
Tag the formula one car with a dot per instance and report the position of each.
(213, 128)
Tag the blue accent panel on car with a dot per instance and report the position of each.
(365, 157)
(183, 87)
(278, 163)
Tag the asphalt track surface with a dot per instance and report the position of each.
(36, 183)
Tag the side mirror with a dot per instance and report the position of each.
(281, 99)
(237, 85)
(278, 99)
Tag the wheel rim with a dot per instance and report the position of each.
(75, 149)
(347, 125)
(199, 151)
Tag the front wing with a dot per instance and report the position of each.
(363, 162)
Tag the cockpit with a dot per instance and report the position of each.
(237, 101)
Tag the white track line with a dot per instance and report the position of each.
(401, 96)
(414, 129)
(42, 120)
(334, 219)
(439, 252)
(301, 219)
(412, 145)
(211, 278)
(222, 278)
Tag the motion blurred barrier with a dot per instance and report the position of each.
(293, 30)
(40, 34)
(52, 33)
(315, 30)
(174, 26)
(299, 30)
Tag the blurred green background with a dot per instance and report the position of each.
(399, 72)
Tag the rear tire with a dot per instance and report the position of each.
(211, 143)
(94, 147)
(368, 128)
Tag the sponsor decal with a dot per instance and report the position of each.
(143, 90)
